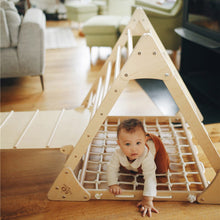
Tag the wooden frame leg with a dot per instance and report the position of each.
(67, 187)
(211, 195)
(42, 81)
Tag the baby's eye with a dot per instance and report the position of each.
(138, 143)
(127, 144)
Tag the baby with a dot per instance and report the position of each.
(138, 152)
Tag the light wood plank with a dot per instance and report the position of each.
(14, 128)
(71, 127)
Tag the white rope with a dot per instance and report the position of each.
(198, 163)
(97, 160)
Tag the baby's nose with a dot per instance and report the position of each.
(133, 148)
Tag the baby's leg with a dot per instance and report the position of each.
(161, 157)
(162, 160)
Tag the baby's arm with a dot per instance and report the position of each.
(150, 187)
(146, 206)
(112, 174)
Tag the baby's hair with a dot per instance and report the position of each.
(130, 125)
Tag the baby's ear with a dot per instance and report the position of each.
(118, 142)
(148, 137)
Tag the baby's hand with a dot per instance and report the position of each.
(115, 189)
(146, 206)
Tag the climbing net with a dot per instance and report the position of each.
(186, 172)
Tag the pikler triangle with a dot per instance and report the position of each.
(148, 59)
(84, 174)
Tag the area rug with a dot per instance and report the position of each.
(59, 37)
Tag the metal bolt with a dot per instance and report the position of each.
(154, 53)
(126, 75)
(167, 74)
(139, 52)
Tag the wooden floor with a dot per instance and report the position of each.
(26, 175)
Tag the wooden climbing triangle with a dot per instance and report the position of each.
(91, 133)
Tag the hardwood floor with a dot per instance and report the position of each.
(27, 175)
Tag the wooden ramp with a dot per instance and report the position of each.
(89, 133)
(42, 129)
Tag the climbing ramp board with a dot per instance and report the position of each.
(42, 129)
(93, 130)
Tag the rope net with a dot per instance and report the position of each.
(185, 173)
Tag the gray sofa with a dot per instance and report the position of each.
(22, 49)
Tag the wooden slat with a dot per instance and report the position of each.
(89, 104)
(130, 42)
(107, 78)
(39, 131)
(55, 127)
(4, 116)
(117, 62)
(13, 129)
(98, 94)
(71, 127)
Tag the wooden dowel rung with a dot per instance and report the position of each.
(98, 92)
(100, 97)
(85, 165)
(6, 119)
(27, 127)
(107, 78)
(90, 100)
(55, 128)
(118, 62)
(130, 43)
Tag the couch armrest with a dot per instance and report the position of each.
(31, 42)
(5, 37)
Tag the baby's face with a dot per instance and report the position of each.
(132, 143)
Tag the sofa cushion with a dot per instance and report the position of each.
(78, 7)
(13, 21)
(102, 24)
